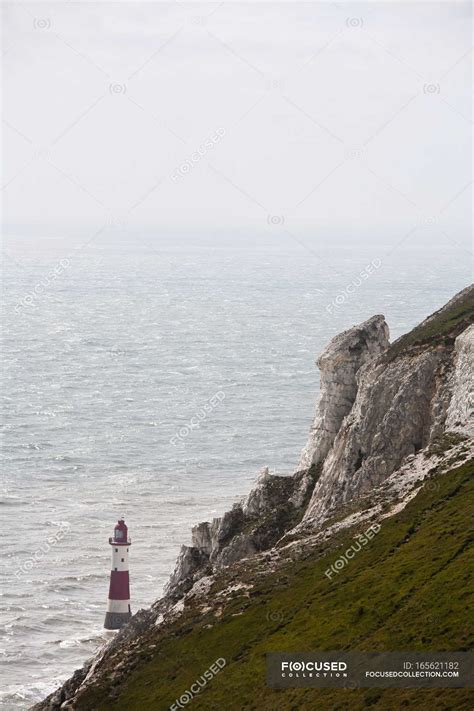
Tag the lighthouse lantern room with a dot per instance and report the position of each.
(118, 606)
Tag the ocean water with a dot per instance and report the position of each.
(105, 369)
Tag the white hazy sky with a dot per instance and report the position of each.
(342, 118)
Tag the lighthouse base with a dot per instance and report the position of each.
(116, 620)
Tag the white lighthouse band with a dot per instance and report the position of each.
(118, 605)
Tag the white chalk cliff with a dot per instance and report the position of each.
(379, 404)
(460, 416)
(405, 398)
(338, 365)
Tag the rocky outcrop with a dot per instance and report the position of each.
(59, 699)
(460, 415)
(390, 420)
(339, 365)
(401, 406)
(190, 560)
(275, 505)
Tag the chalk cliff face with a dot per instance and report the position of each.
(379, 404)
(339, 365)
(391, 418)
(460, 416)
(388, 417)
(402, 400)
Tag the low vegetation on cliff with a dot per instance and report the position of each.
(440, 329)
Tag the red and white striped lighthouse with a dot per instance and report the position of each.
(118, 606)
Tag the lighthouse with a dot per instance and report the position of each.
(118, 606)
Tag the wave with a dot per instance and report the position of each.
(15, 697)
(80, 578)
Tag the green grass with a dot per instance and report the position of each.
(408, 589)
(441, 330)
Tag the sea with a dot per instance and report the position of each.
(112, 351)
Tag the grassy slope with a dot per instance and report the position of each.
(441, 329)
(408, 589)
